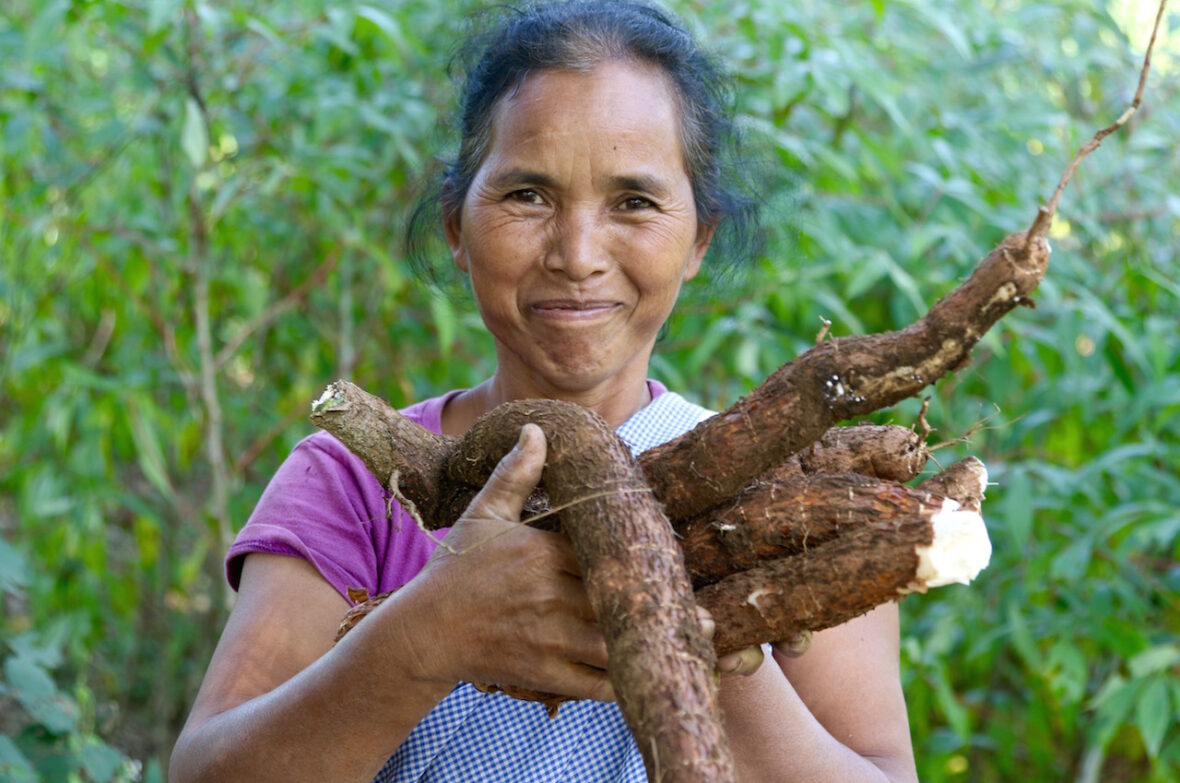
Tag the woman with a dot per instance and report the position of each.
(588, 188)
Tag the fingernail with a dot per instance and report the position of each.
(522, 440)
(708, 627)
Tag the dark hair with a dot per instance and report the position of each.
(578, 35)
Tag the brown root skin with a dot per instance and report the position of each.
(964, 481)
(836, 380)
(780, 517)
(387, 442)
(884, 451)
(820, 588)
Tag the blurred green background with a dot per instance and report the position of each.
(200, 205)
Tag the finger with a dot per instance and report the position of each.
(587, 682)
(744, 662)
(591, 646)
(708, 625)
(793, 648)
(514, 478)
(562, 555)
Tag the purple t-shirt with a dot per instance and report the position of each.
(324, 506)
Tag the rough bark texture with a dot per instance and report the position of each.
(779, 517)
(785, 513)
(884, 451)
(394, 449)
(820, 587)
(964, 481)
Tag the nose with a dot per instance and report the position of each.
(578, 248)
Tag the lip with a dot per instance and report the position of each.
(574, 309)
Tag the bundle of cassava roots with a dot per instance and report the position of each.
(768, 514)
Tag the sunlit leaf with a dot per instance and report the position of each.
(1153, 714)
(194, 136)
(148, 452)
(1154, 659)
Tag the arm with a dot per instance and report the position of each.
(835, 713)
(280, 701)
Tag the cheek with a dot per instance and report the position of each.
(665, 260)
(499, 246)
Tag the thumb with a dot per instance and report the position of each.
(514, 478)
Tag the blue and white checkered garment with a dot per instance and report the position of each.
(490, 737)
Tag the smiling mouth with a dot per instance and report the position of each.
(573, 310)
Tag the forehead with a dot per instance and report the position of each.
(630, 107)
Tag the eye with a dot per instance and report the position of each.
(525, 196)
(636, 202)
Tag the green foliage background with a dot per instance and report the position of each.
(199, 215)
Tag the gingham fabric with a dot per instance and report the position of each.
(490, 737)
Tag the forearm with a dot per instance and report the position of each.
(338, 719)
(775, 736)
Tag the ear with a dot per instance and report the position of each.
(700, 247)
(452, 227)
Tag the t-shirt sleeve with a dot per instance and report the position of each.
(324, 506)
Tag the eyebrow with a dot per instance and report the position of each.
(641, 183)
(518, 177)
(513, 178)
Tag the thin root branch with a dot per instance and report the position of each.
(923, 424)
(823, 331)
(1044, 218)
(411, 509)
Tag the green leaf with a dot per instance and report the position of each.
(38, 694)
(1022, 639)
(1067, 672)
(194, 137)
(13, 571)
(14, 766)
(1154, 659)
(161, 13)
(446, 323)
(956, 714)
(746, 358)
(1153, 714)
(148, 453)
(1070, 565)
(100, 761)
(1112, 704)
(1018, 505)
(42, 646)
(383, 22)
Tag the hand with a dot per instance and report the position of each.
(512, 608)
(747, 661)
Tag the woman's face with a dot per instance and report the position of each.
(579, 226)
